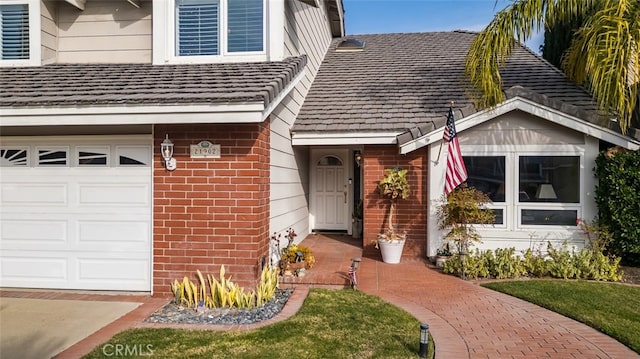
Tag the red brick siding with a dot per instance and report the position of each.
(210, 212)
(411, 213)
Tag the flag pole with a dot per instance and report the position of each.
(441, 142)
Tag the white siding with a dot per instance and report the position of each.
(306, 32)
(520, 128)
(104, 32)
(49, 37)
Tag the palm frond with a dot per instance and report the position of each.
(604, 57)
(493, 45)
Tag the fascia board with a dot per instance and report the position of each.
(355, 138)
(126, 115)
(533, 108)
(287, 89)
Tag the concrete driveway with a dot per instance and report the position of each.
(42, 328)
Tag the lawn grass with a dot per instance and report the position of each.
(613, 309)
(330, 324)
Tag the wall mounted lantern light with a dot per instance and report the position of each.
(166, 149)
(357, 156)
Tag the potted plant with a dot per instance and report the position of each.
(394, 186)
(442, 254)
(463, 208)
(357, 220)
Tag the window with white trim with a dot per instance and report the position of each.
(534, 190)
(215, 27)
(15, 31)
(487, 174)
(19, 32)
(549, 190)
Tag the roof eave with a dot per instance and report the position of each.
(133, 115)
(343, 138)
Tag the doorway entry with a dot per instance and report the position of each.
(331, 190)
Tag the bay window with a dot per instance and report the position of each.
(528, 190)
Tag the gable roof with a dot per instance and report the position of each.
(401, 82)
(73, 86)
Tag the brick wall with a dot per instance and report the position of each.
(411, 213)
(210, 212)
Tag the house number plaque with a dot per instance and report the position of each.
(205, 149)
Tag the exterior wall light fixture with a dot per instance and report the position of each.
(166, 149)
(357, 156)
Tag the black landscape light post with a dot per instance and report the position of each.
(424, 339)
(463, 260)
(355, 263)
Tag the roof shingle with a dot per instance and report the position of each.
(401, 81)
(145, 84)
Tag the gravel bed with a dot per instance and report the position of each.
(172, 313)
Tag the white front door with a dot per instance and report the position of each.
(330, 190)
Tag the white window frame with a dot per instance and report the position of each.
(512, 206)
(34, 34)
(164, 39)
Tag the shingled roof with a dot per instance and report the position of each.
(145, 84)
(401, 81)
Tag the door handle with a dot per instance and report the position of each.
(345, 197)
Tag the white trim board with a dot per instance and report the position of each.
(533, 108)
(350, 138)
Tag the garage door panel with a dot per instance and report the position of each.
(120, 235)
(52, 231)
(111, 270)
(21, 271)
(133, 194)
(34, 194)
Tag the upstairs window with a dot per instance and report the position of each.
(198, 27)
(245, 18)
(15, 31)
(203, 25)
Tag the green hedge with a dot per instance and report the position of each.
(618, 201)
(557, 263)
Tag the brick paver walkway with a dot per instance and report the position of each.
(469, 321)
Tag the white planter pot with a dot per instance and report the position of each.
(391, 250)
(440, 260)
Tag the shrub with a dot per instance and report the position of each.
(558, 263)
(507, 264)
(223, 292)
(618, 201)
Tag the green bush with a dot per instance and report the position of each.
(559, 262)
(507, 264)
(535, 264)
(618, 201)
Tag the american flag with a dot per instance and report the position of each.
(456, 171)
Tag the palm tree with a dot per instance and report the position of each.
(604, 55)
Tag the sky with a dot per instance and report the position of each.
(391, 16)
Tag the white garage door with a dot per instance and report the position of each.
(76, 213)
